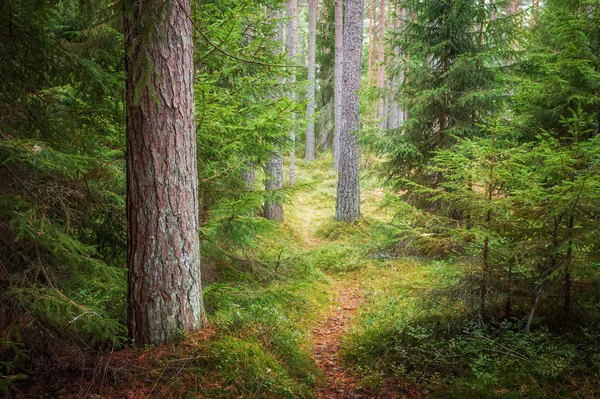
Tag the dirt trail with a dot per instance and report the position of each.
(340, 382)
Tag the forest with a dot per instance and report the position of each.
(328, 199)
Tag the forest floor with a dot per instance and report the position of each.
(321, 309)
(273, 333)
(312, 211)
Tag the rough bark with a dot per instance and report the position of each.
(310, 95)
(338, 71)
(291, 39)
(163, 249)
(273, 207)
(348, 190)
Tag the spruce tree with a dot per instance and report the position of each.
(452, 57)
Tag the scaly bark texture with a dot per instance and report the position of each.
(291, 39)
(310, 95)
(163, 254)
(337, 84)
(348, 190)
(273, 207)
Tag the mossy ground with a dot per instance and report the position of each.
(260, 340)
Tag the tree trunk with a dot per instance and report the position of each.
(292, 48)
(273, 207)
(348, 190)
(337, 72)
(163, 248)
(568, 260)
(381, 67)
(310, 95)
(372, 43)
(249, 175)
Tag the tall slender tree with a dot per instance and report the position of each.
(381, 111)
(163, 258)
(337, 73)
(273, 206)
(348, 190)
(291, 39)
(372, 43)
(310, 107)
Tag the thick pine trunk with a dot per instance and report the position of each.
(337, 87)
(381, 67)
(310, 95)
(348, 190)
(163, 255)
(292, 48)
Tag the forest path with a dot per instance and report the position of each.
(340, 382)
(312, 216)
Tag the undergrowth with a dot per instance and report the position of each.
(407, 334)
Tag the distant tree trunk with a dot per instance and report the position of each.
(568, 260)
(381, 67)
(337, 87)
(249, 175)
(486, 242)
(273, 207)
(348, 190)
(372, 44)
(163, 248)
(292, 48)
(310, 95)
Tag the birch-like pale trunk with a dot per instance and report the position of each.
(348, 189)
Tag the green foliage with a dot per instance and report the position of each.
(405, 333)
(560, 67)
(452, 68)
(13, 352)
(62, 212)
(262, 344)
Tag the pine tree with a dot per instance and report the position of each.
(338, 71)
(310, 95)
(291, 39)
(348, 190)
(165, 294)
(273, 206)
